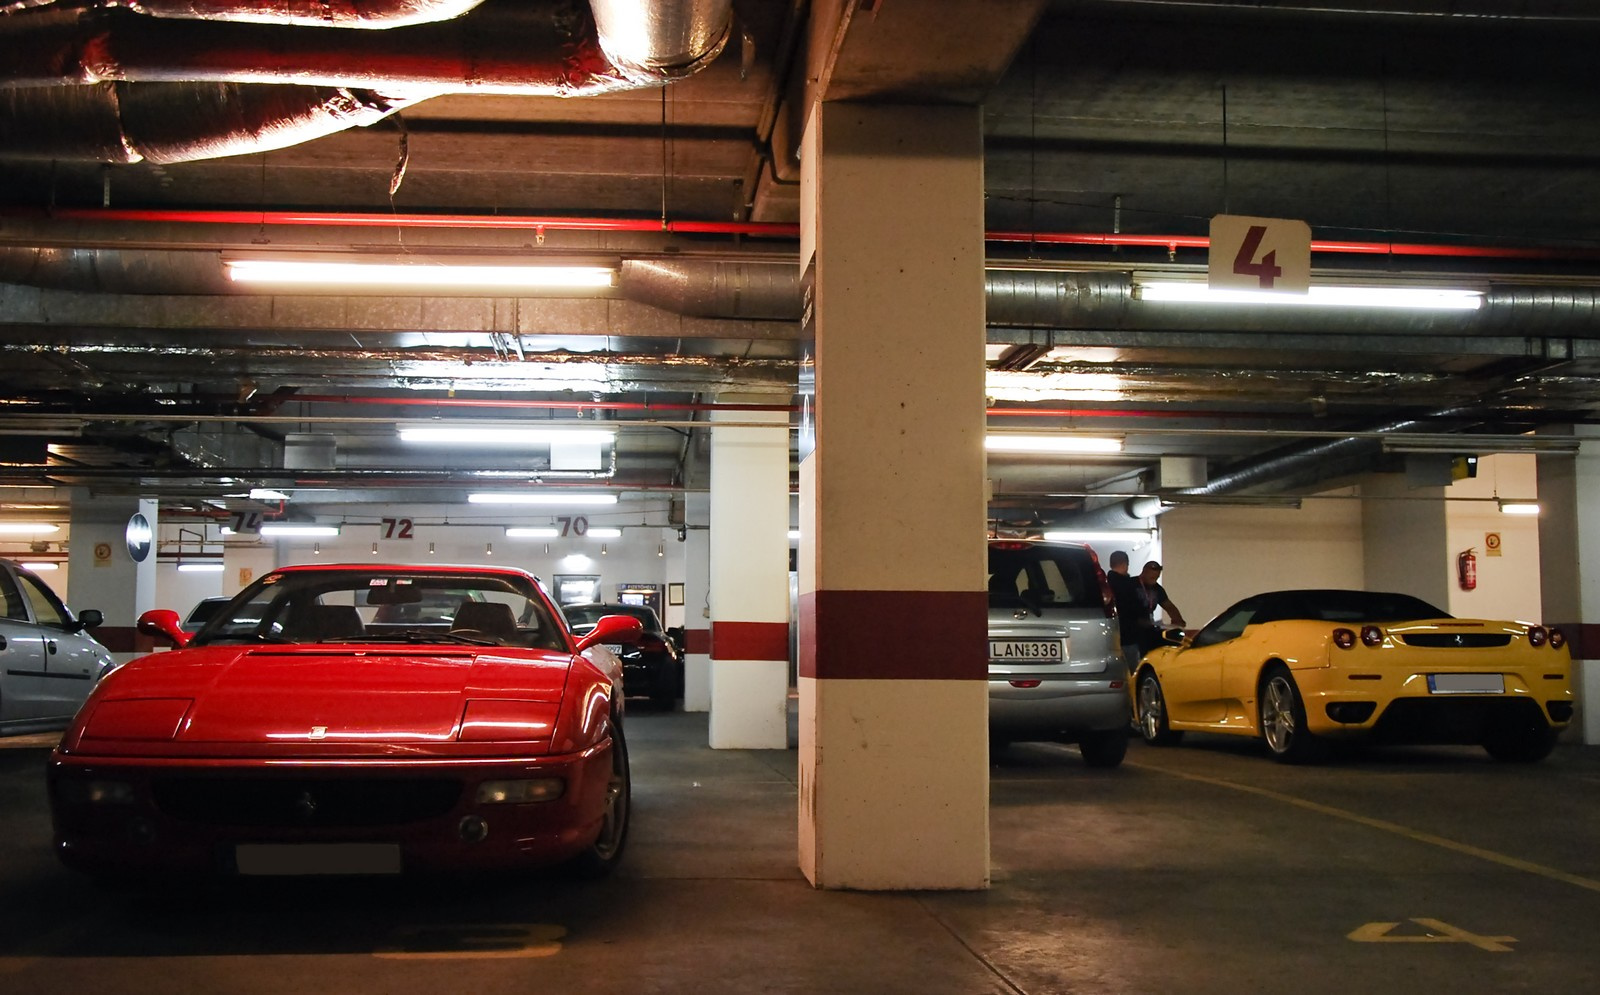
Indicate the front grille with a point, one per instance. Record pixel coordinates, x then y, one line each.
1457 640
323 802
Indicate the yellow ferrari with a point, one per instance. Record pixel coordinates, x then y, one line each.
1299 669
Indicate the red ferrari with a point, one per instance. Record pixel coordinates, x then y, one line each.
354 719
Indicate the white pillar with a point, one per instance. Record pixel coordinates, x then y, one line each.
894 760
697 603
1569 562
105 574
749 558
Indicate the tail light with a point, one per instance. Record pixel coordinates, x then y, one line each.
1558 638
1371 635
1344 638
1537 635
1107 600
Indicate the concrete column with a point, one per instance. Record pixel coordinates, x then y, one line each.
894 769
104 573
749 558
697 603
1569 562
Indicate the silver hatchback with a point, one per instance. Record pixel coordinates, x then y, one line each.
1056 670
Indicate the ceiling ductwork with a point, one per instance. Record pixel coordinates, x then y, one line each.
171 90
312 13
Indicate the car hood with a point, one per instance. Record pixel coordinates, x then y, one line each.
330 695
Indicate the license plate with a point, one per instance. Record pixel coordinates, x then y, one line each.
317 858
1467 683
1048 650
613 648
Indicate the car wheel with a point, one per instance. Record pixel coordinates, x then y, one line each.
1521 744
603 854
1283 720
1104 749
1153 712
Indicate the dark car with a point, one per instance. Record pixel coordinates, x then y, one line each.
653 668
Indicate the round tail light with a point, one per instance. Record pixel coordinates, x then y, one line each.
1558 638
1344 638
1371 635
1537 636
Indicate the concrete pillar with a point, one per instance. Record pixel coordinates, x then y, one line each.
749 558
1569 562
105 574
1404 536
894 770
697 603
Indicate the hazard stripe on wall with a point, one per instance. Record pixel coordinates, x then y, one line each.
750 641
894 635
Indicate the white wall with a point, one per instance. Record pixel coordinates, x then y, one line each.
1508 584
1213 556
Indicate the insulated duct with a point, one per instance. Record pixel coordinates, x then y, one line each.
709 289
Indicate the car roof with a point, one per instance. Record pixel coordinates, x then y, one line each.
440 569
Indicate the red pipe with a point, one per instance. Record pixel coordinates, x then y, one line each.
752 229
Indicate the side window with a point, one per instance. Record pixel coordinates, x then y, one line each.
11 599
1228 625
47 608
1055 583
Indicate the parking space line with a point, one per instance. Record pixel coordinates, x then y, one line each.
1415 835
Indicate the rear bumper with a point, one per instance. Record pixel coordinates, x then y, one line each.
1057 709
144 835
1398 708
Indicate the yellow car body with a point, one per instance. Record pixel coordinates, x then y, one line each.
1359 669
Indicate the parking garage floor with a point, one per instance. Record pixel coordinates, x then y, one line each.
1201 868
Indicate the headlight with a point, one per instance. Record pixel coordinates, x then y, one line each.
538 789
138 718
97 792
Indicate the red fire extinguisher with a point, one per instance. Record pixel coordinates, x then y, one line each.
1467 570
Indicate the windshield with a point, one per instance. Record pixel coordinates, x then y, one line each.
387 605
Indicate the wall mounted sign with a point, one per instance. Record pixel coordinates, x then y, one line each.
140 537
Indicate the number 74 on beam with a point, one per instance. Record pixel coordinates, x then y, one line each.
1269 254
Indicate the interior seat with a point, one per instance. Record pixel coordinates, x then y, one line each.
331 622
488 617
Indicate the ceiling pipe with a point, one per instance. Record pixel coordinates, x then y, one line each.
651 38
311 13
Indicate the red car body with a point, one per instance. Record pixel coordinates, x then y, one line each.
416 747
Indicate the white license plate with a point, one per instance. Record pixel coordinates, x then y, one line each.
1044 650
1467 683
317 858
613 648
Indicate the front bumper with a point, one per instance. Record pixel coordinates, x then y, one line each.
191 817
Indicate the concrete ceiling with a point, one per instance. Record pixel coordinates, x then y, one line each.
1461 134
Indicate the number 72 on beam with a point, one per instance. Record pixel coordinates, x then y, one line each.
1272 254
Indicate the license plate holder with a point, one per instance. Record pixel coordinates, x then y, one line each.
1466 684
1027 650
294 859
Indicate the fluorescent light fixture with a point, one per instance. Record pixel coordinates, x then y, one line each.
267 494
794 534
532 532
1519 507
27 528
1426 298
1136 537
604 532
285 529
376 274
500 436
539 497
38 566
1022 443
576 560
200 568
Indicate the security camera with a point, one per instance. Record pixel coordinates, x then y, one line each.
683 533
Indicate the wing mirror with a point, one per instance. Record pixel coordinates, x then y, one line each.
163 623
612 629
1174 637
87 619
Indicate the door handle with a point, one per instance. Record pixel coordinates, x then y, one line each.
50 645
2 642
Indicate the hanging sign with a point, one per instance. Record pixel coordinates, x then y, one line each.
1272 254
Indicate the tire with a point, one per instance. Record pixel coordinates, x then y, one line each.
1153 712
602 855
1105 748
1521 744
1282 717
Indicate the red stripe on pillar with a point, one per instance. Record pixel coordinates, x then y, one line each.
697 641
750 641
895 635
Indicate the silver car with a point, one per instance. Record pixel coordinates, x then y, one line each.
1056 670
48 662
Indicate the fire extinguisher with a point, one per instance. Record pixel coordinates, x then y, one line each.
1467 570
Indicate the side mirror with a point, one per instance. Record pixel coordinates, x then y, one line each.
88 619
163 623
612 629
1174 637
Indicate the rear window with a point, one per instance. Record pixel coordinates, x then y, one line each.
1036 575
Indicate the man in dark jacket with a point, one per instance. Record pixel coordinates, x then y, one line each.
1133 616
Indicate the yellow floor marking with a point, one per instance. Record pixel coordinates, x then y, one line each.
467 941
1442 932
1504 860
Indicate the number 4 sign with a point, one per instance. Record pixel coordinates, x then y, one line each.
1259 254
